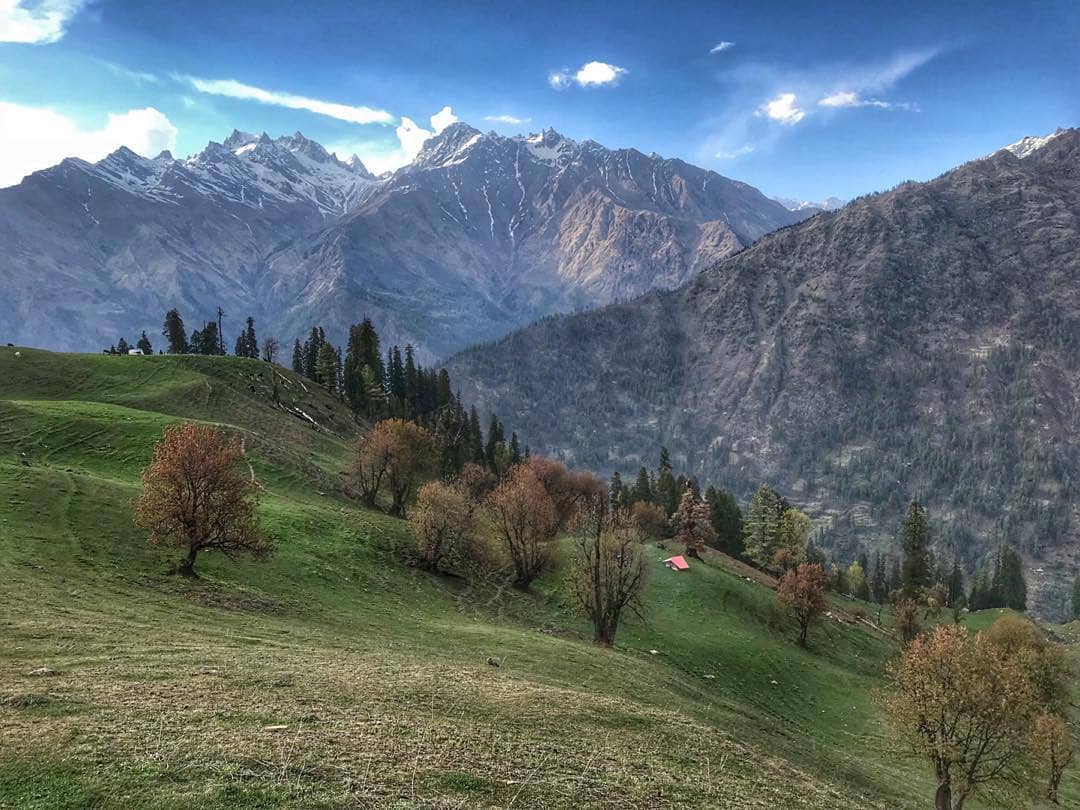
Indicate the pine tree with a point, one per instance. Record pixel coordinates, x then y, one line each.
641 492
312 346
412 381
879 584
173 331
496 437
617 492
247 345
122 346
144 344
915 543
668 491
326 368
896 577
954 587
1076 597
1009 584
761 526
476 452
726 519
298 357
515 449
206 341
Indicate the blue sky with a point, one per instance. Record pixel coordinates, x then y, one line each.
803 100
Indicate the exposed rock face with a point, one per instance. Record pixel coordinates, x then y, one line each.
923 342
481 234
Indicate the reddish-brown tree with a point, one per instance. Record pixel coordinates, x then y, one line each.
693 524
568 489
526 523
649 519
397 453
802 591
197 495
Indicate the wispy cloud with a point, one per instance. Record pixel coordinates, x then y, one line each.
36 23
721 46
847 98
33 138
591 74
506 119
127 73
767 101
733 154
783 109
234 89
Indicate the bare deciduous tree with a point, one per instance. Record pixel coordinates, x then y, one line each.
196 496
962 703
525 521
609 568
270 347
396 453
441 521
1054 750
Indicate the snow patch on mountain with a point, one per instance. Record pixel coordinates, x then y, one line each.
1032 143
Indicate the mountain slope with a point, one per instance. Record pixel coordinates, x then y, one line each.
334 674
921 342
481 234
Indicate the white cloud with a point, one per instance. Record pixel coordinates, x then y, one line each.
38 22
506 119
235 89
33 138
722 46
411 136
379 157
442 119
848 98
735 153
591 74
783 109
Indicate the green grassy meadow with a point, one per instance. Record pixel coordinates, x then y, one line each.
335 675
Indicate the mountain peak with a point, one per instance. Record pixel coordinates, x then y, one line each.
450 146
238 139
1031 144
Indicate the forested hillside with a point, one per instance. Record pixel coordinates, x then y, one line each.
921 342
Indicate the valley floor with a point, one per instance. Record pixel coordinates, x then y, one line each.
335 675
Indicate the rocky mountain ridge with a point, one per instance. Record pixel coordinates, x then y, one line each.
479 235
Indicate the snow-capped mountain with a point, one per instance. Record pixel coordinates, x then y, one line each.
1025 147
251 170
809 207
479 235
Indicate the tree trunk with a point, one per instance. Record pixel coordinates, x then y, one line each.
802 634
187 566
943 797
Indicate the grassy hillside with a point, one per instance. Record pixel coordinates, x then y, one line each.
335 675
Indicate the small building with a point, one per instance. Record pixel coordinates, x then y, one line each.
677 563
134 351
